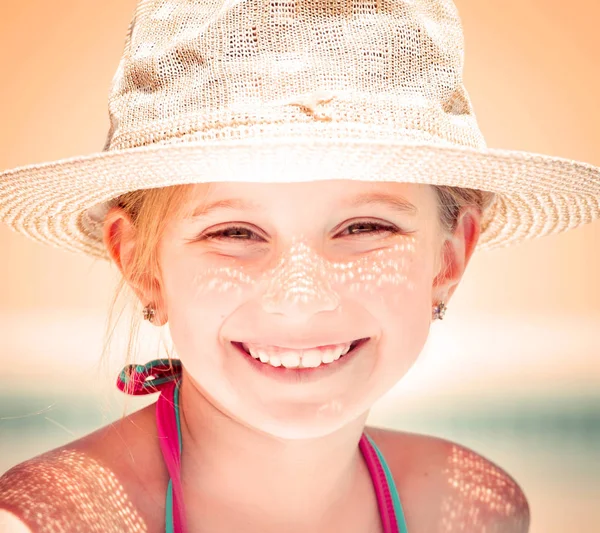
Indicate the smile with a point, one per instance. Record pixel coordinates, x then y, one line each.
290 358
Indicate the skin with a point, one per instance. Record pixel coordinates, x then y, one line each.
285 455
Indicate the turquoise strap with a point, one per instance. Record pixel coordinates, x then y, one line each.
400 520
176 402
169 509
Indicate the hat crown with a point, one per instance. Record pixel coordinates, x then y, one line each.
192 70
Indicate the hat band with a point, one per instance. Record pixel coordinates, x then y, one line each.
384 118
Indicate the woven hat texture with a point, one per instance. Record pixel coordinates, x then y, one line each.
288 91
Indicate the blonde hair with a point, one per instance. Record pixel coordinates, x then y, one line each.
151 209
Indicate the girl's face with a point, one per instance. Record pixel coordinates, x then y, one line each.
301 265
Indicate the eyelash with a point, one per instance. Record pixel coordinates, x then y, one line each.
218 235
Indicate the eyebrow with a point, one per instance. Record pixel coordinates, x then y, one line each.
231 203
395 203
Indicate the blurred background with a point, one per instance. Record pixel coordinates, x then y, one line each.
513 371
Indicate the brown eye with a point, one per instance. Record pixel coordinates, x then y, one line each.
238 233
379 228
241 233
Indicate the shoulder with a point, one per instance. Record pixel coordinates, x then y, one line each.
446 486
98 483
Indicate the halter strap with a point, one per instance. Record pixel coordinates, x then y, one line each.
138 380
169 434
164 376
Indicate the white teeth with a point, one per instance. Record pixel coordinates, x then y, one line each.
312 358
274 360
328 357
298 358
288 359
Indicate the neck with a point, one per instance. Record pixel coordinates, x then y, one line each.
237 475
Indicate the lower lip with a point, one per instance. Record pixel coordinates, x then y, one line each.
302 375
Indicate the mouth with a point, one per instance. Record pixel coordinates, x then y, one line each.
301 359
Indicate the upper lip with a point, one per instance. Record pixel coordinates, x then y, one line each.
296 346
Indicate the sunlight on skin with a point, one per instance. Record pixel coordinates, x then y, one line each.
479 492
66 490
381 269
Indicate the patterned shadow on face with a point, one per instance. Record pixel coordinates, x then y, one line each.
302 276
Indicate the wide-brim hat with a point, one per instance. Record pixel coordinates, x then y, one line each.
291 92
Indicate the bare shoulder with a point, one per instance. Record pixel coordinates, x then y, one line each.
444 486
106 481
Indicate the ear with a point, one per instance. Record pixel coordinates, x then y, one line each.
119 237
456 253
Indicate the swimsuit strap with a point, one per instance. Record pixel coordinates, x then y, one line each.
164 376
152 377
169 435
388 499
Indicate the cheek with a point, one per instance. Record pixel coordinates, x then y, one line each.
198 300
395 288
395 282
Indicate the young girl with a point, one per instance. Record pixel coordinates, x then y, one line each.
296 189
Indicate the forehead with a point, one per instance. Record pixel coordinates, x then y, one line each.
409 198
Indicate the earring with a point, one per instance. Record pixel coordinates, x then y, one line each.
439 311
149 313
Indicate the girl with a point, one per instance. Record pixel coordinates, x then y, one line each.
296 189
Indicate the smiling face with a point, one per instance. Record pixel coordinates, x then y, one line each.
302 265
279 268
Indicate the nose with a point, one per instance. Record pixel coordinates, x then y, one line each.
299 286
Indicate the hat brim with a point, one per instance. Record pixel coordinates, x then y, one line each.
61 203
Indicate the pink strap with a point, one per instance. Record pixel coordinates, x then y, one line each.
169 443
382 489
164 375
168 436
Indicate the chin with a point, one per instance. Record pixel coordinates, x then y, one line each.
304 421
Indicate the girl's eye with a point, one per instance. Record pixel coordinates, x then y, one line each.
380 228
221 234
241 233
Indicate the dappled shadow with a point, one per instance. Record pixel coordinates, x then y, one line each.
67 491
480 497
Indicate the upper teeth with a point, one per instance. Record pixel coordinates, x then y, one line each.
297 358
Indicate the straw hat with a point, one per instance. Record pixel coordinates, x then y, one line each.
295 91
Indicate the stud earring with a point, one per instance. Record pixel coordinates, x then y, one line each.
439 311
149 313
